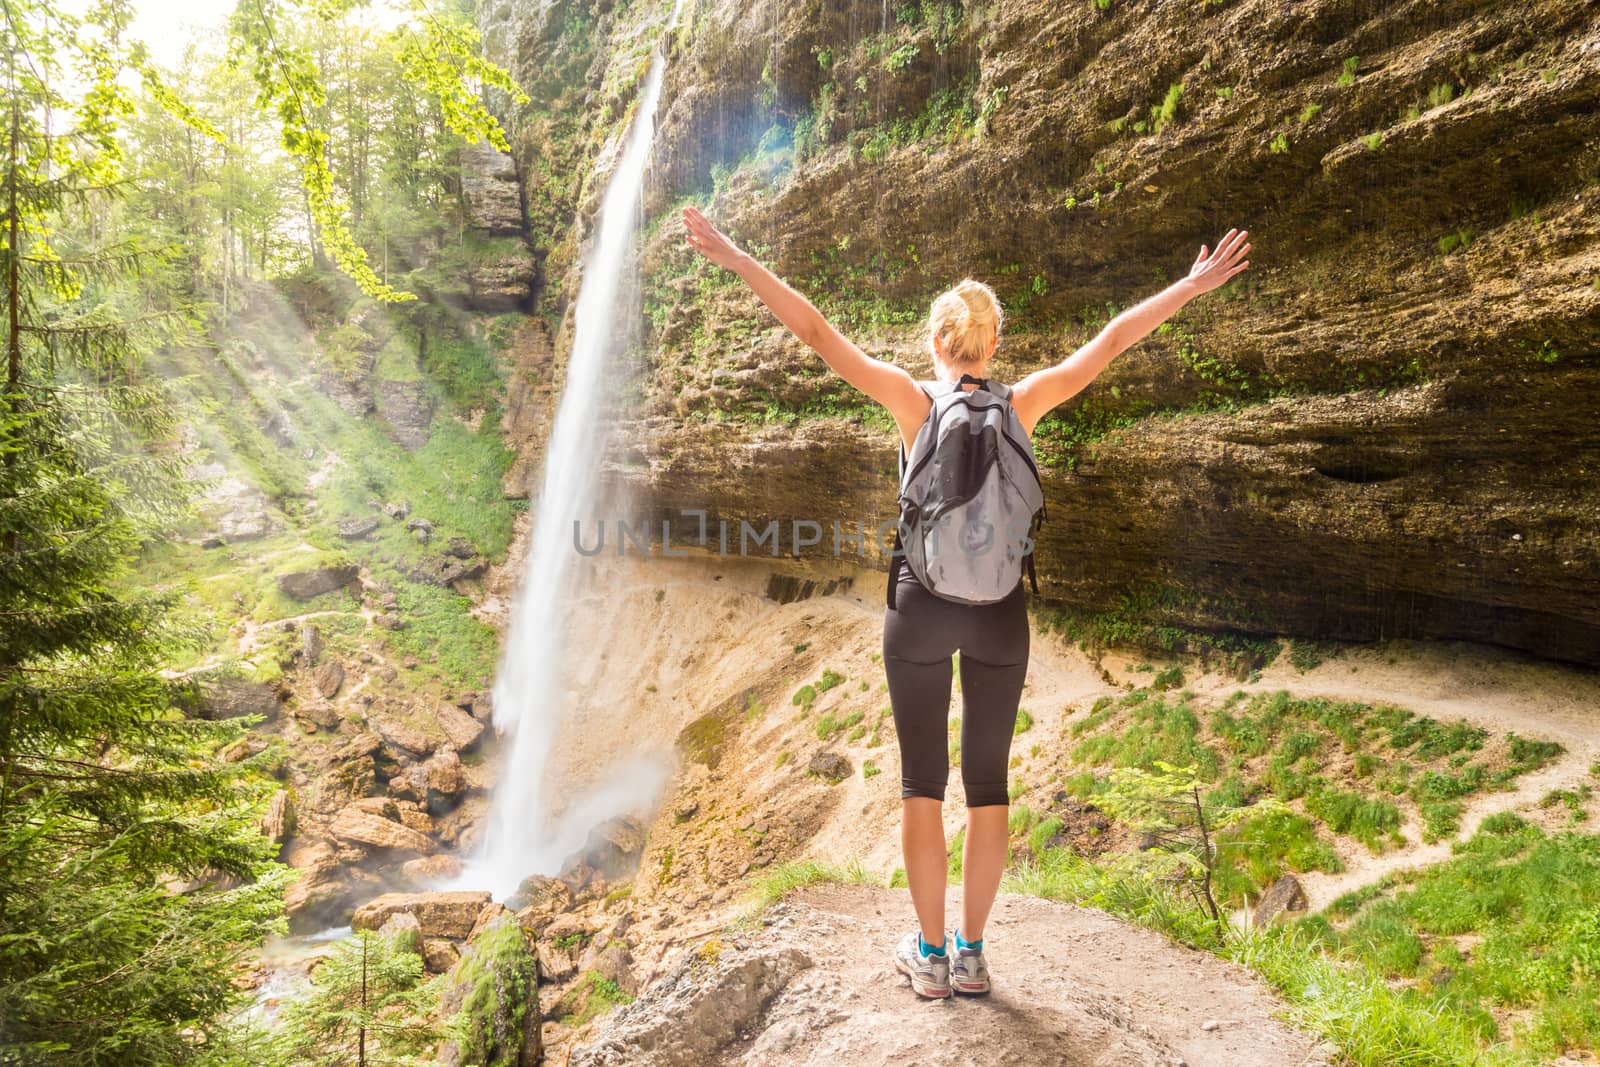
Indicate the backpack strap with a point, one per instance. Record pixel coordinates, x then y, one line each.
894 565
988 385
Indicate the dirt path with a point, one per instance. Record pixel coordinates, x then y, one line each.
1072 988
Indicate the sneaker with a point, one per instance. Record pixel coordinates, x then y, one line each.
930 975
968 972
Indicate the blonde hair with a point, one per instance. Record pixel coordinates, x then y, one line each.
968 317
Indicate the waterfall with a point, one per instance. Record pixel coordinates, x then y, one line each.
521 837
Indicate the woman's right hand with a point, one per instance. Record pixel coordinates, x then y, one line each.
708 240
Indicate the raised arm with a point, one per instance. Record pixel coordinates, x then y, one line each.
1035 395
884 382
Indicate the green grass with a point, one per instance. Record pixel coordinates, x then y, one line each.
1530 899
1350 767
770 887
591 995
829 725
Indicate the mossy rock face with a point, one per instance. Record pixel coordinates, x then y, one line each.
1265 443
495 993
701 741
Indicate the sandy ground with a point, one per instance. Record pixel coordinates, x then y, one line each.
1071 987
657 643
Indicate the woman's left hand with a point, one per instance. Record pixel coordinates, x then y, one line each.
708 240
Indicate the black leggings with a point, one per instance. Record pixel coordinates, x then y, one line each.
920 634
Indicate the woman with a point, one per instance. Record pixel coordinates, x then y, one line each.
923 631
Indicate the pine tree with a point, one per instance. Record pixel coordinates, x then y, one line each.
133 875
367 1005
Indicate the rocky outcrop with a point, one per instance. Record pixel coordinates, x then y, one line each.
361 826
489 191
233 698
501 281
778 991
305 584
1331 448
496 982
445 914
1284 899
406 407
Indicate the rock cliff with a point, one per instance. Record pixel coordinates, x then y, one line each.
1384 429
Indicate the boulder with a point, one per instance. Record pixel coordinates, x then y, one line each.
367 828
327 678
402 739
612 850
303 585
442 777
439 955
357 529
427 870
830 765
229 699
462 729
398 509
310 643
277 822
1283 898
501 1029
403 929
317 714
449 914
542 894
445 571
616 963
488 914
555 964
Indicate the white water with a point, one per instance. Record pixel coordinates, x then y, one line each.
523 837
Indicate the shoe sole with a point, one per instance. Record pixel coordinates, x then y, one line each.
972 989
921 988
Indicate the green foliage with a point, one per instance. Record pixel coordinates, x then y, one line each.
1530 900
368 996
803 697
870 769
590 996
1451 241
829 725
1280 143
442 58
1347 75
772 884
498 979
108 793
1180 823
1545 353
1023 724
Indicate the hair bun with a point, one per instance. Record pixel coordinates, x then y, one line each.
968 317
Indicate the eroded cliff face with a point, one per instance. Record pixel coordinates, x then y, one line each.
1384 428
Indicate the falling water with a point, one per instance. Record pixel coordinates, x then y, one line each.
522 837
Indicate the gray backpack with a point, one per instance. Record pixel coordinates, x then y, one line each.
970 496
